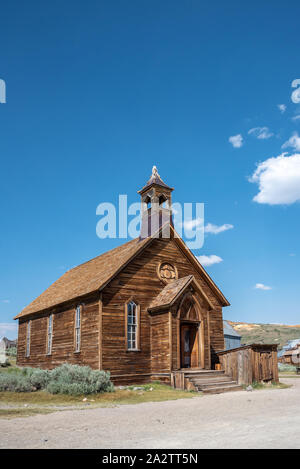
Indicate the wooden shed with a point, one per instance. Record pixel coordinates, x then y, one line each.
249 363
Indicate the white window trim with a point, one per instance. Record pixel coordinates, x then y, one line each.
132 328
50 334
78 319
28 339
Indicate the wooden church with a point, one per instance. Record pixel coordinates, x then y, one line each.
142 311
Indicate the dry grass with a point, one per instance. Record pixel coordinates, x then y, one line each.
10 413
272 385
9 369
12 404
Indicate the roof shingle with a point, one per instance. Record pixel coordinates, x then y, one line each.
85 278
170 292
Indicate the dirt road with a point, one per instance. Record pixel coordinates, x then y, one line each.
268 418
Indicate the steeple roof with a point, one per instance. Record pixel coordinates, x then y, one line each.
155 179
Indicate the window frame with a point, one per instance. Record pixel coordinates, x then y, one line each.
28 339
77 329
137 325
49 334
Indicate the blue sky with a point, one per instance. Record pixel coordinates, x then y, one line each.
100 91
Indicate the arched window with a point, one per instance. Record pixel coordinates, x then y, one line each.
148 202
28 336
132 325
162 201
78 328
49 334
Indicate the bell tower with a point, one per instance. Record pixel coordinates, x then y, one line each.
156 210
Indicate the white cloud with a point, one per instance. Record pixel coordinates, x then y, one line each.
278 179
5 301
261 286
236 140
261 133
293 141
211 228
190 224
281 107
295 96
209 260
8 328
296 118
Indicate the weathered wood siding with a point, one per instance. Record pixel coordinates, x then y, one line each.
139 280
175 343
160 343
256 362
63 345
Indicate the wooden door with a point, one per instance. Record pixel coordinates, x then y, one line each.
189 346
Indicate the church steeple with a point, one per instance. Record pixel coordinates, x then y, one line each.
156 200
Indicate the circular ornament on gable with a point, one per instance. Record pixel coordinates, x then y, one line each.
167 272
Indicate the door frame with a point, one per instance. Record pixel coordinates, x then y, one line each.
195 325
200 322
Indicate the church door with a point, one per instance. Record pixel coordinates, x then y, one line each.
189 346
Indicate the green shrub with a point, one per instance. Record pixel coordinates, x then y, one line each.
65 379
15 382
38 378
257 385
75 380
11 352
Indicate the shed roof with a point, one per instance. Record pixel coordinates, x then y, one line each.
295 350
292 343
229 330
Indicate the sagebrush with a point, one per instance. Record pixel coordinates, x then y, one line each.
286 367
75 379
65 379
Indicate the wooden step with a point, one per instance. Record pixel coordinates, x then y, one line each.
204 373
221 389
213 379
215 384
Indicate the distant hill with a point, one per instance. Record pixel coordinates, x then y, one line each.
266 333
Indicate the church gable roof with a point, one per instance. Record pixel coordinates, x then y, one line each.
85 278
94 274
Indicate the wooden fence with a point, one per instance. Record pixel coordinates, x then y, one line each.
249 363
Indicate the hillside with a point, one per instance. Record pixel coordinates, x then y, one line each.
266 333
